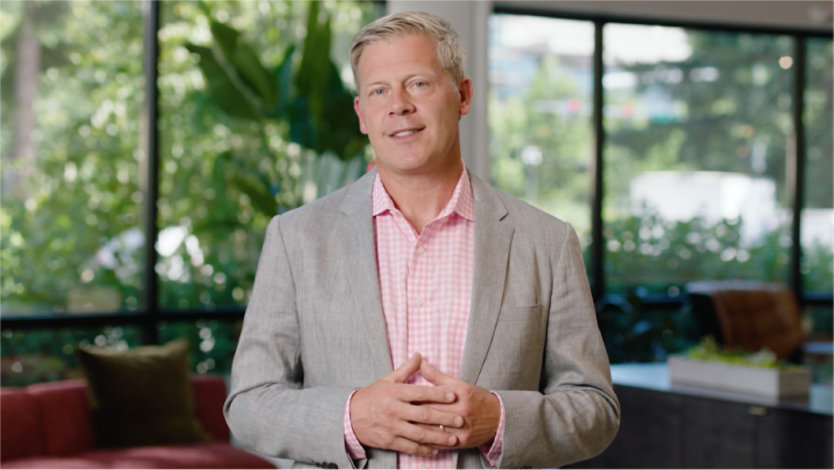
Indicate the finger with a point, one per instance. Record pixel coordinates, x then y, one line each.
401 444
405 370
451 443
434 417
434 375
428 435
425 394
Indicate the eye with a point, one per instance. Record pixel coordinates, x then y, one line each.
419 86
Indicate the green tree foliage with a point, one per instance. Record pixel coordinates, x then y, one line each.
71 236
726 107
46 355
655 255
733 96
305 94
542 119
819 121
78 192
256 132
736 97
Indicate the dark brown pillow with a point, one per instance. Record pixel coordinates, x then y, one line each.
142 396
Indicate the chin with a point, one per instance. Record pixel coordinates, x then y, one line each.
405 164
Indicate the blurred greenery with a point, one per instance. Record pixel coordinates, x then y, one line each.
709 350
246 130
634 331
212 342
47 355
227 168
700 113
70 197
659 256
714 123
560 183
717 124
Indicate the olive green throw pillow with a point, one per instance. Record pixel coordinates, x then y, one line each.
142 396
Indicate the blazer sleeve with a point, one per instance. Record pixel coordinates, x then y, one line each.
268 409
575 414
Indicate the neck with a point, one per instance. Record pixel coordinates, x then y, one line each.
420 198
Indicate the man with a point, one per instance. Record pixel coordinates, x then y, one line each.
419 317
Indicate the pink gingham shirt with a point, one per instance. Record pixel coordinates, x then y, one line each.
426 286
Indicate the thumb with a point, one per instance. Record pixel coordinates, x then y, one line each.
405 370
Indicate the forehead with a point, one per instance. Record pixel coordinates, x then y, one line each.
398 54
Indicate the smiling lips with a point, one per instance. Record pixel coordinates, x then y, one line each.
405 132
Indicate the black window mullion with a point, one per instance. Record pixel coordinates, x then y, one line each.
150 170
597 237
796 180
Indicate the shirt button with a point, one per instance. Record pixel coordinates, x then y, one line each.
421 249
418 302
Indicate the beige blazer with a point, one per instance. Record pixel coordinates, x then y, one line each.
314 331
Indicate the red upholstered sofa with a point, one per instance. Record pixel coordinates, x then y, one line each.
48 425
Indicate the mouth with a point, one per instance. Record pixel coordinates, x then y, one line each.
405 132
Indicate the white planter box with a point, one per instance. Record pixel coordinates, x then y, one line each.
761 381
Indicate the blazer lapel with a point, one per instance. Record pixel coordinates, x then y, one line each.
364 279
492 250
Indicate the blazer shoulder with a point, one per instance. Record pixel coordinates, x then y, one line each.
517 212
346 200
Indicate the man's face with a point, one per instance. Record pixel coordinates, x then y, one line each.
409 106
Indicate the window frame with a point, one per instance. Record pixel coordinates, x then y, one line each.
150 314
795 182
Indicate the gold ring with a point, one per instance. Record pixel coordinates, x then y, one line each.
442 428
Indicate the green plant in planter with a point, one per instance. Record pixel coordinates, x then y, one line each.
300 100
709 350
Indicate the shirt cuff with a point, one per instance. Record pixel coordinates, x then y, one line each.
492 451
352 445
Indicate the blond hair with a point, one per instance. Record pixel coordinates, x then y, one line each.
450 52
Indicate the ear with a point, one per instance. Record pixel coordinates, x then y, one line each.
465 91
358 111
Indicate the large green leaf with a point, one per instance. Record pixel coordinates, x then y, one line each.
337 124
229 168
321 117
245 64
302 126
283 79
315 71
307 94
221 88
315 54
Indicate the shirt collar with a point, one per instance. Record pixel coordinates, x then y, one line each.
461 202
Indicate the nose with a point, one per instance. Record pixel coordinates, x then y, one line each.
400 103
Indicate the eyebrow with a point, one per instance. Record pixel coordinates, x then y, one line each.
405 79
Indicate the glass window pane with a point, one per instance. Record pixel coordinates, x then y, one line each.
71 198
698 139
224 172
46 355
212 342
540 107
817 229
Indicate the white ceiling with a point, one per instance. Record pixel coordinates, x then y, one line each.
793 14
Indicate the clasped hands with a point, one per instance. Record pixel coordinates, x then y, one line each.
422 419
